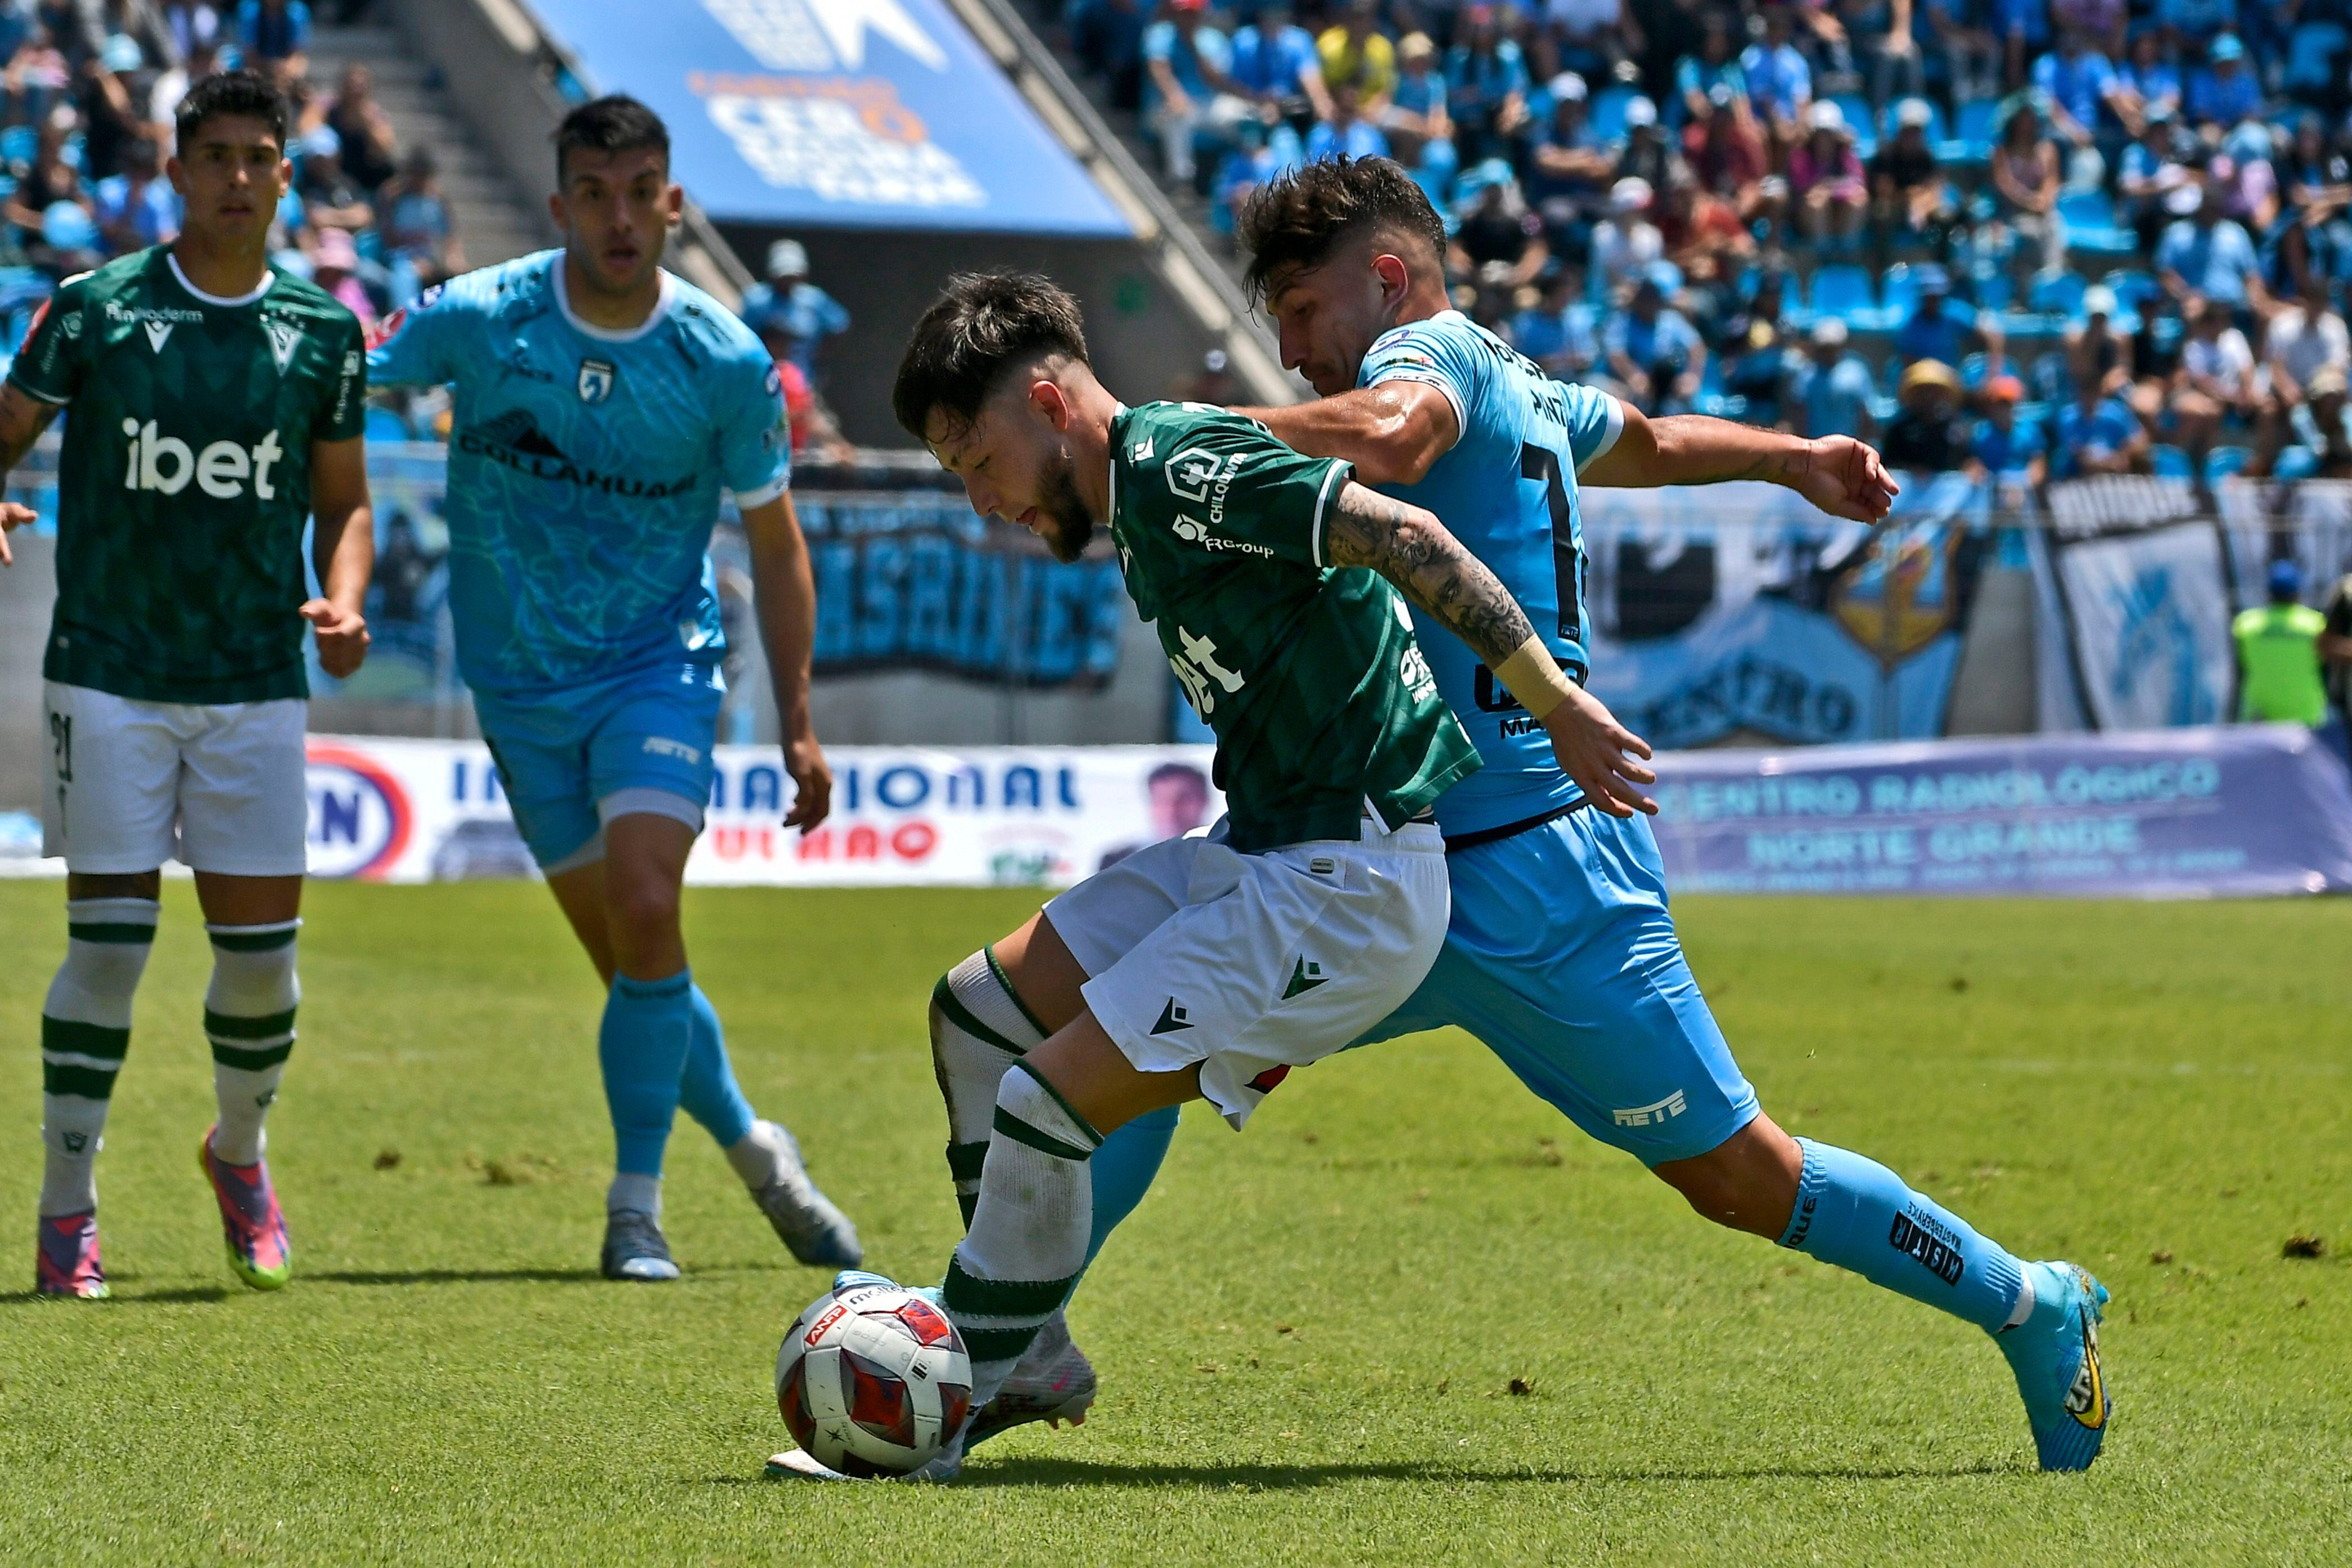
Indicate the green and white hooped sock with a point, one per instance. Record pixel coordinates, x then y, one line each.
1027 1244
979 1028
85 1030
249 1019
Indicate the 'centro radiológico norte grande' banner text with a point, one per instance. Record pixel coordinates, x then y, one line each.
2248 810
838 114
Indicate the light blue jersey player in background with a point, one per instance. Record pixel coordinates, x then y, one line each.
601 407
1561 955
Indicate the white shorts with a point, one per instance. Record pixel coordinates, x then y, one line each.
1253 964
127 785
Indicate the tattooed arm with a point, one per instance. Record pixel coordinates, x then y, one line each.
22 420
1836 473
1430 567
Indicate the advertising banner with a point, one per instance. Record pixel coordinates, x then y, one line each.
429 810
837 114
2255 809
1755 614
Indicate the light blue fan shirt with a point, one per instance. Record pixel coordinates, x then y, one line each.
586 467
1507 491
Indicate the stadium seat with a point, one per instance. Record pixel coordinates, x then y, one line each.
1842 290
2058 294
2171 463
18 143
1898 294
2223 461
1859 118
2133 286
2091 227
1607 118
1993 289
1975 127
2296 463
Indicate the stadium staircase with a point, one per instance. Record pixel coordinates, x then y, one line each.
497 219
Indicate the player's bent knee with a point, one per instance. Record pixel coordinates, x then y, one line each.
1748 1182
1084 1066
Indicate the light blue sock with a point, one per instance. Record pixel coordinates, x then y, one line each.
1857 1214
1123 1169
708 1091
643 1049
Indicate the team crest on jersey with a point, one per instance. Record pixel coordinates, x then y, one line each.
285 337
596 378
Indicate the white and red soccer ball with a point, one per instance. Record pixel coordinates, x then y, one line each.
873 1380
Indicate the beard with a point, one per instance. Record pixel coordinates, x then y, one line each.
1072 527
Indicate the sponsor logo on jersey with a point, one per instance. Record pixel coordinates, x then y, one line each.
663 746
359 816
158 334
515 440
1197 667
117 311
1801 1224
1173 1017
167 465
1650 1115
1923 1239
596 378
1192 531
285 337
1200 476
1305 975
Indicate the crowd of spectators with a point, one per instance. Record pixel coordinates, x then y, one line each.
2031 238
88 91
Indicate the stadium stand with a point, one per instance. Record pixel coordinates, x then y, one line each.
1766 166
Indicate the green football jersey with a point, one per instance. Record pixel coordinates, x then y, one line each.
183 484
1309 675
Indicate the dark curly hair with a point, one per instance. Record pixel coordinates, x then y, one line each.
1294 220
242 94
982 325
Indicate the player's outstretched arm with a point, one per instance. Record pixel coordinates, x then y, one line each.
342 547
22 417
1837 473
1393 433
1413 550
783 593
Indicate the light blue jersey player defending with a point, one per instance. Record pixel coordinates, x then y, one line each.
1561 955
601 407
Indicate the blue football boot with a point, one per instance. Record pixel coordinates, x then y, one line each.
2055 1355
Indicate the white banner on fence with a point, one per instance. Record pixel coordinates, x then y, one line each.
424 811
2151 624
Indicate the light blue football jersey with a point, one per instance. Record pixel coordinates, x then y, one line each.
585 469
1507 491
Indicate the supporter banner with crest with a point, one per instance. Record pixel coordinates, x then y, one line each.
1752 613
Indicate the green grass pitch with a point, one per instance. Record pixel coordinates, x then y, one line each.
1311 1335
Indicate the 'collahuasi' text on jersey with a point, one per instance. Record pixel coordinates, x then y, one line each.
1506 489
585 466
184 481
1319 697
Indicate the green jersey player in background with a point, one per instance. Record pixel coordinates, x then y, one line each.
1203 967
215 410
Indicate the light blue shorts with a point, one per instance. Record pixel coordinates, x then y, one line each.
638 742
1562 958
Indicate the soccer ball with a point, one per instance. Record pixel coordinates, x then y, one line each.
873 1380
